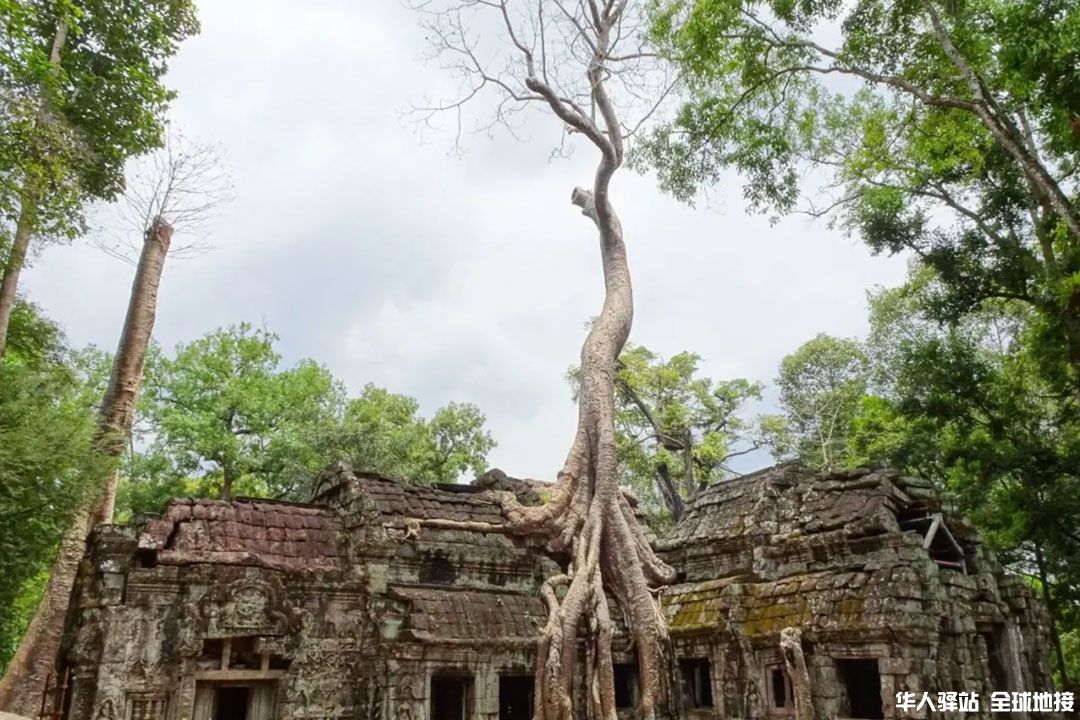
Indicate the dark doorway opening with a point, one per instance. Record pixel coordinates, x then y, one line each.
449 697
231 703
995 657
860 689
697 683
625 685
781 696
515 697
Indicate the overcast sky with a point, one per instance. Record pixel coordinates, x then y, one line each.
380 254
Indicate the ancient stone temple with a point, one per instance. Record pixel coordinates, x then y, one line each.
801 595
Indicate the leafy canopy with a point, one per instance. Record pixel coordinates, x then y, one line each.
821 385
676 430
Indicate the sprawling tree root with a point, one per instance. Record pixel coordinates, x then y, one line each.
589 517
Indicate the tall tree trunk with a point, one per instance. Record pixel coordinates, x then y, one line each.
588 515
227 477
1051 609
31 197
24 682
118 408
15 261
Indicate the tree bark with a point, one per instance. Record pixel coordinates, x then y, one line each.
22 686
16 260
228 475
118 407
589 516
669 491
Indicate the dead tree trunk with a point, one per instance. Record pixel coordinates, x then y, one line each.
118 408
22 685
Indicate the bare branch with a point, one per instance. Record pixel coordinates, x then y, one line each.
182 185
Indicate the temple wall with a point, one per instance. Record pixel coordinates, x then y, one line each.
345 609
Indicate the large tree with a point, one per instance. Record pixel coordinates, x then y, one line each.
224 406
175 194
83 92
821 385
47 398
383 432
27 674
947 129
578 61
965 404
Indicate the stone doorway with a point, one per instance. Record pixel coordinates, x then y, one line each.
515 697
235 701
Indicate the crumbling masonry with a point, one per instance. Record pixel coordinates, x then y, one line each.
801 595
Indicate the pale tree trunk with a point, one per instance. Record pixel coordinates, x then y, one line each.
588 516
118 408
28 211
24 682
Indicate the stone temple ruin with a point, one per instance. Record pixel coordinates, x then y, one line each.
801 596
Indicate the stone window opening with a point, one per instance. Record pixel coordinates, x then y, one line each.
696 683
515 697
239 654
938 541
147 705
626 685
781 693
451 697
860 688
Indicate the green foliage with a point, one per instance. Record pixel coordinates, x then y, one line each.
69 128
384 432
223 412
964 124
967 405
821 386
46 422
676 431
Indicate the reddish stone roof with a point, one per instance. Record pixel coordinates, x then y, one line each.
285 536
455 615
398 500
